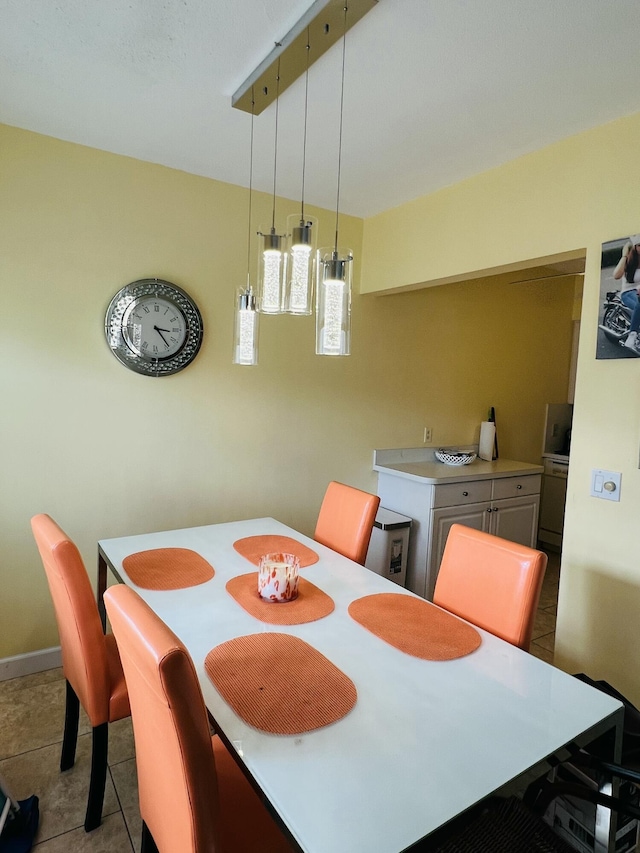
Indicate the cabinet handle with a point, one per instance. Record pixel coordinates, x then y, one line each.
489 509
496 508
519 486
465 494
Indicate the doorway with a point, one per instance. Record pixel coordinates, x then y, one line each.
555 458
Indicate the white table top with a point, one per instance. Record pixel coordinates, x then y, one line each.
426 739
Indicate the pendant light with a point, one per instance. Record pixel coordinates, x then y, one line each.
335 271
301 232
245 343
272 259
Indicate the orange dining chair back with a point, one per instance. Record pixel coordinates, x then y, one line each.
345 521
491 582
90 660
193 796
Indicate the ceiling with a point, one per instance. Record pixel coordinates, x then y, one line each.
435 90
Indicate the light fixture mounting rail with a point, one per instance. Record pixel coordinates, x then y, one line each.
321 26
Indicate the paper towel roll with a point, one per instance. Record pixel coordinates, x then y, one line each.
487 439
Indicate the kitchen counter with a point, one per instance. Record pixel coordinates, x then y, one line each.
500 497
416 463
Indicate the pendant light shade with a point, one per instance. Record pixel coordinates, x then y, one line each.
245 343
245 333
301 231
300 266
335 269
272 257
271 272
333 302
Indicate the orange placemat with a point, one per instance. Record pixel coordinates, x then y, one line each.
167 568
253 547
280 684
415 626
311 604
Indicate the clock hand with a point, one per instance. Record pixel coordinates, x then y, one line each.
160 331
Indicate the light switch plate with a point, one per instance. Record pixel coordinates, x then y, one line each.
605 484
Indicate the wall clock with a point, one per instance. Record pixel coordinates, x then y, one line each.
153 327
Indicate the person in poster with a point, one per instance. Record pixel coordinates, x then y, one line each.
628 269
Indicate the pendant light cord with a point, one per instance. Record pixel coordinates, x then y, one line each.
344 44
250 194
275 149
304 135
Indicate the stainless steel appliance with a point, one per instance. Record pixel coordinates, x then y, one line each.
557 430
389 546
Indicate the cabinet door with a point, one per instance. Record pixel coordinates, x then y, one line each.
516 519
472 515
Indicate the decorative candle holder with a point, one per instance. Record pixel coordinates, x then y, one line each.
278 577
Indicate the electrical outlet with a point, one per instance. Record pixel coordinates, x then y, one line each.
427 435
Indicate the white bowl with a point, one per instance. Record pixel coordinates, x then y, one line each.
454 458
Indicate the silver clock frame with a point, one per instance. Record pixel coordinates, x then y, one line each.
138 362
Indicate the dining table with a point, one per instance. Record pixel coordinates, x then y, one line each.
366 717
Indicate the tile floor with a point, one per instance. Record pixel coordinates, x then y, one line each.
544 629
31 719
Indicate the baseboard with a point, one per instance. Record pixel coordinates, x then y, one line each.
30 662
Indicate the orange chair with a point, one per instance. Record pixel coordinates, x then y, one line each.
345 521
193 796
491 582
90 659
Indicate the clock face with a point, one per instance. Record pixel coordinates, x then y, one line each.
153 327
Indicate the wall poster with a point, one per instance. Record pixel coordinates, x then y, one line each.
619 316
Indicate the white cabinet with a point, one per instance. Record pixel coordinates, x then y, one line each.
506 506
513 518
516 519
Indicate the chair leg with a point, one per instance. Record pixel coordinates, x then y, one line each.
70 737
148 845
100 746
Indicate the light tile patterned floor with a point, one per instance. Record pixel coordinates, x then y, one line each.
544 629
31 720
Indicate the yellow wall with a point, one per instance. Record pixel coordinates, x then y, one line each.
107 452
576 193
